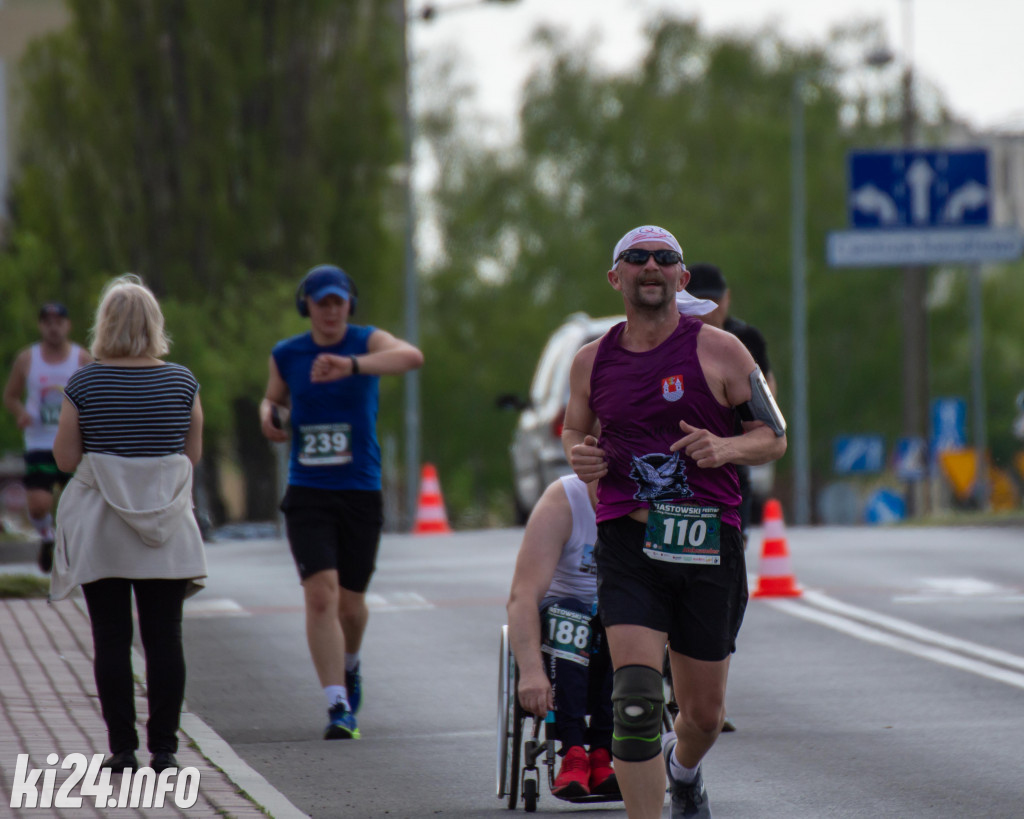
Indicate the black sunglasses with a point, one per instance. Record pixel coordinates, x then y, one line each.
637 256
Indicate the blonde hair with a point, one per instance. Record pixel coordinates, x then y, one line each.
129 323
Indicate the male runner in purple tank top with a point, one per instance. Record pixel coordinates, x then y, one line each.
651 417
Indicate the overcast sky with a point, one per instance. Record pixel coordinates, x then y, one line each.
969 49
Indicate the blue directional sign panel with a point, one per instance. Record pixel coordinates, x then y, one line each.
915 188
852 454
885 506
910 459
949 424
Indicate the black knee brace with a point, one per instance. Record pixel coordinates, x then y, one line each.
637 701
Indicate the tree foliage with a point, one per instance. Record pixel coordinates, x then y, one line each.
697 139
218 150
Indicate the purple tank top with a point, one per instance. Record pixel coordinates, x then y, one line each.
639 399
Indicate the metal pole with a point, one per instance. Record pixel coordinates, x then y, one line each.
981 488
411 286
800 428
915 289
3 143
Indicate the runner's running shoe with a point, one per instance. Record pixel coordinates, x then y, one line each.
689 801
354 687
574 775
342 724
602 777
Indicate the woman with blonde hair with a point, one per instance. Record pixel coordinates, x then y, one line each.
131 431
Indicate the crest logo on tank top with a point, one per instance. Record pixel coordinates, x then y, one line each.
672 388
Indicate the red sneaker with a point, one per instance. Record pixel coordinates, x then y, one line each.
602 777
573 775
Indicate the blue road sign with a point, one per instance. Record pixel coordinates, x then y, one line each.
919 189
885 506
853 454
910 458
949 424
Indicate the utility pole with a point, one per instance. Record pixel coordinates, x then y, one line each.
915 288
800 428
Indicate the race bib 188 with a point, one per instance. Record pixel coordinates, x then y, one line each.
566 634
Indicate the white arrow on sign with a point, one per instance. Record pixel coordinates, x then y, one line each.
969 196
919 177
872 199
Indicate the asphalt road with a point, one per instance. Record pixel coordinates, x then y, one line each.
893 688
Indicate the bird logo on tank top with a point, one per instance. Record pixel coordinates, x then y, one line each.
672 388
658 476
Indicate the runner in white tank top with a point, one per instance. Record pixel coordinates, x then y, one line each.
34 395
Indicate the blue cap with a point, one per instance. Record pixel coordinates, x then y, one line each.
327 280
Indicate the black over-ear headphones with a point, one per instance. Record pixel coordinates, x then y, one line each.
330 274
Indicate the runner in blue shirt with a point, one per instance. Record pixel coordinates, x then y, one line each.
325 382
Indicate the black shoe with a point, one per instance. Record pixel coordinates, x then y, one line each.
121 761
728 726
46 556
162 760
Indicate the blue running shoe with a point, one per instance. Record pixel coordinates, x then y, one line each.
354 686
342 724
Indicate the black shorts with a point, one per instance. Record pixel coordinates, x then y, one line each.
41 471
334 529
699 607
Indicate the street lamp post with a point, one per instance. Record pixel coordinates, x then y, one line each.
799 431
410 276
411 291
800 428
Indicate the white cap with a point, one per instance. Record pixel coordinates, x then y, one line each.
692 306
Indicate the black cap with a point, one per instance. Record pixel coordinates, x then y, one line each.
53 308
706 282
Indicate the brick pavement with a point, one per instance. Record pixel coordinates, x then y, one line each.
48 705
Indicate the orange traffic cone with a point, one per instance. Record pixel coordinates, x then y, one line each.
431 518
775 577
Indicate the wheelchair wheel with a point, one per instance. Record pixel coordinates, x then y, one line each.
506 699
530 795
671 709
515 765
510 724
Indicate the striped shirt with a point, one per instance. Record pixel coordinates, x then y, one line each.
134 412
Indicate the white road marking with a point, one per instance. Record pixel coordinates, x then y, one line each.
216 607
960 590
920 642
397 601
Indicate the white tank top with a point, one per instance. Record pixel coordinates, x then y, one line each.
576 572
44 395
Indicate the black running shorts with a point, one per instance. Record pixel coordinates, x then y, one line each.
41 471
699 607
334 529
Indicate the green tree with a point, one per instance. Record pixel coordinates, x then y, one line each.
218 150
696 138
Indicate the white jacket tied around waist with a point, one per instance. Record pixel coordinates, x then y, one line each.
127 517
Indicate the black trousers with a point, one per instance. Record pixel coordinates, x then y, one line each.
159 604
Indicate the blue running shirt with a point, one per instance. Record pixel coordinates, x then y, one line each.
334 424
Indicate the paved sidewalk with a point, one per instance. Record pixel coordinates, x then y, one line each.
48 705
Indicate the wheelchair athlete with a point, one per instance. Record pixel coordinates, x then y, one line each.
563 665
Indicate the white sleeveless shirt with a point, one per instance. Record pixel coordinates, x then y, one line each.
576 572
44 396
